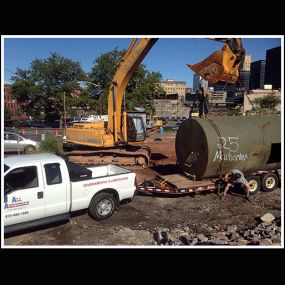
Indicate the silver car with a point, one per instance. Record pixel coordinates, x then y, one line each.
14 142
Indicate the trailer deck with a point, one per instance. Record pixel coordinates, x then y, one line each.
176 184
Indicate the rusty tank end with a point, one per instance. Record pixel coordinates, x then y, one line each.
209 147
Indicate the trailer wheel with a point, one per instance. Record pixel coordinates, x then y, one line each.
254 184
102 206
269 182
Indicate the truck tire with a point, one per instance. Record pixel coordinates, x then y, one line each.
269 182
254 184
102 206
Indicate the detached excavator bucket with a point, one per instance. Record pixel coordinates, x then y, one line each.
222 66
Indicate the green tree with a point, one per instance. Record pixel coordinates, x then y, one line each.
18 112
72 112
7 114
267 103
41 87
141 88
104 68
145 91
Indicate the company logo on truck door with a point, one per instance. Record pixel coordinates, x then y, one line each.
16 202
230 147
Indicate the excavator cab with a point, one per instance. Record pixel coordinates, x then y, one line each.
223 65
136 131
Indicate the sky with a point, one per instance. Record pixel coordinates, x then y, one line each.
169 56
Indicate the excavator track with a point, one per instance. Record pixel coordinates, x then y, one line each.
128 156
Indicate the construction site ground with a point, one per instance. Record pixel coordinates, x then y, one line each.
136 223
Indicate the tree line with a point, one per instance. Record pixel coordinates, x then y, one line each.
41 88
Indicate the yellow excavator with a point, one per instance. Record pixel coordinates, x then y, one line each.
116 141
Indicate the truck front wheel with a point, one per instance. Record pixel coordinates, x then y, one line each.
102 206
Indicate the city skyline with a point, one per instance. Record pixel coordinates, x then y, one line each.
168 56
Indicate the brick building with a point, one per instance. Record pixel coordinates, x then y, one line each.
11 104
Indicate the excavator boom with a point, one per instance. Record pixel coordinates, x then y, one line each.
127 66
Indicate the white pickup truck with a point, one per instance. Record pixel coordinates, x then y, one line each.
44 188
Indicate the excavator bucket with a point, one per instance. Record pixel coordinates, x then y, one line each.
222 66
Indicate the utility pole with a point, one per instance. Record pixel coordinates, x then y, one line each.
100 102
64 114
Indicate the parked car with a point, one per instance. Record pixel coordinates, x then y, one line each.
12 130
53 124
27 123
39 124
14 142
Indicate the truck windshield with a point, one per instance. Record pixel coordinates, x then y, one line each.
6 167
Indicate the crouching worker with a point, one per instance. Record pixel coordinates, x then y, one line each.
236 178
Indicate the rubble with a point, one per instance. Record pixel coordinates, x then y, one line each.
266 232
268 218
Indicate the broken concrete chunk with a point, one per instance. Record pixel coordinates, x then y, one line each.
202 238
231 229
268 218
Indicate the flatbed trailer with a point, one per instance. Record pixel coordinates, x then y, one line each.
178 184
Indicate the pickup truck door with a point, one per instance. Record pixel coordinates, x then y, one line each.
23 195
56 186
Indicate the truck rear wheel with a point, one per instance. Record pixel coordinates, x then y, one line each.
269 182
102 206
254 184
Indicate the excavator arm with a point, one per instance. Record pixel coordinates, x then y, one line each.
127 66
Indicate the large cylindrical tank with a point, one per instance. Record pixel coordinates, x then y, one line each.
209 147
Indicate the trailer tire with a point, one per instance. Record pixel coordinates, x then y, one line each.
254 184
269 182
102 206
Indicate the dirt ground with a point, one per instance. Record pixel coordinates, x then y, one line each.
135 223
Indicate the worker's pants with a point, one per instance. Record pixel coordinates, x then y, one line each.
203 106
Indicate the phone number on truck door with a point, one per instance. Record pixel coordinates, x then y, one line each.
16 214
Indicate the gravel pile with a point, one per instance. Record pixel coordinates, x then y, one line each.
267 231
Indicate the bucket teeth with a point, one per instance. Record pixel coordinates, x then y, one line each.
220 67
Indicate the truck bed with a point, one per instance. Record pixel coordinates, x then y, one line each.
79 173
